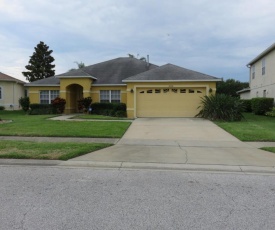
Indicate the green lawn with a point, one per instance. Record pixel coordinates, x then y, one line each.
269 149
252 128
51 151
38 125
99 117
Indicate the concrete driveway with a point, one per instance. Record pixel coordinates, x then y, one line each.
180 141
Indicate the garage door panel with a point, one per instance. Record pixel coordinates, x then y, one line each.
177 102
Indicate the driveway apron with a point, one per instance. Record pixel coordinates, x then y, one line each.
180 141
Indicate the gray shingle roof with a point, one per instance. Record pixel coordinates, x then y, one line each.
114 71
46 81
120 70
108 72
75 73
171 72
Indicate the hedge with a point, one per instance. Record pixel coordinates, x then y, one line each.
109 109
271 113
261 105
38 109
246 105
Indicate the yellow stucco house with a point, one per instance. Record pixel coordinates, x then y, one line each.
148 90
11 89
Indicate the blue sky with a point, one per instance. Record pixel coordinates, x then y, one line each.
210 36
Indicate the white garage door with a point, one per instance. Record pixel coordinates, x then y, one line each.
168 102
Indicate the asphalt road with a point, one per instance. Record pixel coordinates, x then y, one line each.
86 198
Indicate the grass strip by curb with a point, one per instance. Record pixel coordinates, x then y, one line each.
269 149
46 151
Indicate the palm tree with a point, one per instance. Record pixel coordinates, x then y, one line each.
133 56
80 65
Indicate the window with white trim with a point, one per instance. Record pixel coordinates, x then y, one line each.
104 95
253 71
46 96
112 96
0 92
263 66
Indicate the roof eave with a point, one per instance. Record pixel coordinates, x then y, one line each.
94 78
109 84
41 85
15 81
210 80
268 50
243 90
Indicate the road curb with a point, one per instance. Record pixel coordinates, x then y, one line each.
160 166
135 165
29 162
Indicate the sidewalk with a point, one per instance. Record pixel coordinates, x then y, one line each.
165 144
70 118
199 167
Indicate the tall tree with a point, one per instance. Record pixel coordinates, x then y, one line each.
40 64
230 87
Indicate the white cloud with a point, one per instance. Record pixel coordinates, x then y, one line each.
206 35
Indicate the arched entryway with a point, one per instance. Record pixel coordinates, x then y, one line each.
74 92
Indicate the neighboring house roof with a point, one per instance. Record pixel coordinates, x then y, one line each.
261 55
243 90
170 72
5 77
110 72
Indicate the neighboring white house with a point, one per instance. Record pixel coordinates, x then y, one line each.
262 75
11 89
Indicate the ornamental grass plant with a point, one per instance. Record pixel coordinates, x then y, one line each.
221 107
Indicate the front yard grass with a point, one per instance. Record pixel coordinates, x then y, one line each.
50 151
39 125
252 128
269 149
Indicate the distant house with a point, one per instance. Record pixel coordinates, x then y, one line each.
147 90
262 75
11 89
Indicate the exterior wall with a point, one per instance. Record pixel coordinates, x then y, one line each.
73 89
245 95
266 81
132 89
11 93
95 92
84 82
34 92
128 93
